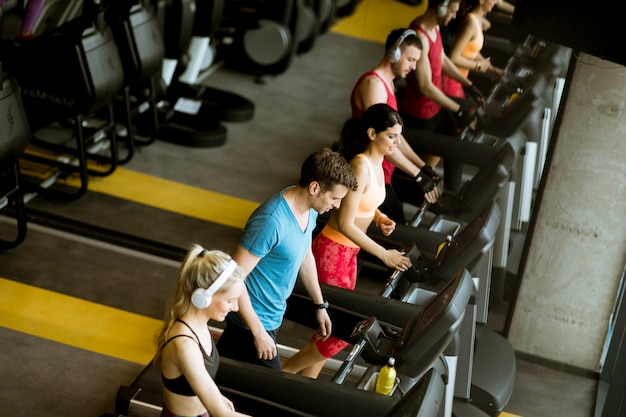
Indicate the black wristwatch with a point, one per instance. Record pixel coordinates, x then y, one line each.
323 305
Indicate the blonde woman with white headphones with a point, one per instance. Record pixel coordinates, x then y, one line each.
208 287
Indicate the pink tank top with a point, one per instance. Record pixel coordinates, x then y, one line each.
375 194
474 46
388 167
471 50
370 201
413 102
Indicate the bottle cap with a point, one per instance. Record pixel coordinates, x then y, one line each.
391 361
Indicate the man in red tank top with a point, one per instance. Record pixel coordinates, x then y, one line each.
423 104
403 51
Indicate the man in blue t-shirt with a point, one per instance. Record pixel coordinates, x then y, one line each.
275 249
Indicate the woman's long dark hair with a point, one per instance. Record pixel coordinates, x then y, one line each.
354 138
465 7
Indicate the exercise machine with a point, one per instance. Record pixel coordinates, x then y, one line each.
66 75
417 346
141 48
200 60
261 37
484 361
14 135
190 114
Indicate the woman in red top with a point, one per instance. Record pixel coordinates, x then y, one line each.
365 143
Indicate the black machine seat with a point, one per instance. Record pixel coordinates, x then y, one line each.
14 134
83 74
14 128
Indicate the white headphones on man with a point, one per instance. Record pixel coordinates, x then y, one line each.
442 9
394 53
201 298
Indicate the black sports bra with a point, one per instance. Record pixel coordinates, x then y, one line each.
180 385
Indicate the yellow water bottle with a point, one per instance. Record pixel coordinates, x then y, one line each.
443 244
387 378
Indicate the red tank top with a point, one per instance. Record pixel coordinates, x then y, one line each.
413 102
388 167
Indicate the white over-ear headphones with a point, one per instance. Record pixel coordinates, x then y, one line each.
443 8
201 298
394 53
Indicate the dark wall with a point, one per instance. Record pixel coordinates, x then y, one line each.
594 28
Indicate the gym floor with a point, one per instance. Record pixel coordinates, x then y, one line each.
77 313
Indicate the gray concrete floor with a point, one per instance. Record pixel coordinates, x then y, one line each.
296 113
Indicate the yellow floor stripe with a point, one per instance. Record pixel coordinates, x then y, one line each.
505 414
374 19
76 322
173 196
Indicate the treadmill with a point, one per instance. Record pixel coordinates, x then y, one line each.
486 368
417 346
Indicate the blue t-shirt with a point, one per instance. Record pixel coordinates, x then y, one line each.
273 234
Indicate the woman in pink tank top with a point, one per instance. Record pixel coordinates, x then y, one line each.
467 44
365 142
